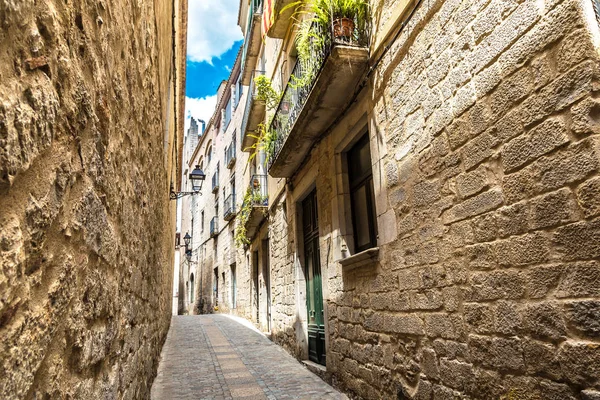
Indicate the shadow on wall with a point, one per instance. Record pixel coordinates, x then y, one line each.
287 339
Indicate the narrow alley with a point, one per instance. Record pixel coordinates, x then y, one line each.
221 357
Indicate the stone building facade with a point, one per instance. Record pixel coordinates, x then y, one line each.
482 281
91 122
208 281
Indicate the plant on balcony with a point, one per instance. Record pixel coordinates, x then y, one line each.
264 141
265 92
343 18
251 197
241 238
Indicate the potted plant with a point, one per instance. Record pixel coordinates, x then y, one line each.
344 16
265 91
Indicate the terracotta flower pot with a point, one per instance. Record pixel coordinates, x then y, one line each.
343 28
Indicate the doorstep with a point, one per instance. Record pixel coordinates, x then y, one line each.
317 369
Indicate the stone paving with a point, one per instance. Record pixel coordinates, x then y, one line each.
222 357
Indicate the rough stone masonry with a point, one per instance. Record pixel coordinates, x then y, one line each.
484 118
86 228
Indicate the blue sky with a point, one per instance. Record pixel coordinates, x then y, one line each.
203 78
214 39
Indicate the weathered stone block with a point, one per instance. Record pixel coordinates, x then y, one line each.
579 241
479 318
472 182
508 318
574 49
523 250
584 317
443 325
457 374
553 209
580 280
545 320
558 94
481 256
585 117
580 362
497 353
479 204
542 139
493 285
478 149
588 195
425 193
569 165
540 357
512 220
484 227
541 280
404 324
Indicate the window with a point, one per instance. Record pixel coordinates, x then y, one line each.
209 155
240 90
362 198
227 114
202 221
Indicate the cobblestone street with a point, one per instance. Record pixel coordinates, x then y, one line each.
219 357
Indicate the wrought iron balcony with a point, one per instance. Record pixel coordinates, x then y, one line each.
215 181
317 93
279 20
229 210
259 200
252 40
254 113
230 154
214 226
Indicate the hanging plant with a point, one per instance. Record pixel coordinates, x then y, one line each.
265 92
241 238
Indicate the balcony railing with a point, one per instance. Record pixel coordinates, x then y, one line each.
258 197
252 40
215 181
229 210
319 88
230 154
254 113
214 227
259 190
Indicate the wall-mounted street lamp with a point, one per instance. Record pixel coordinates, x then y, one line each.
186 239
196 177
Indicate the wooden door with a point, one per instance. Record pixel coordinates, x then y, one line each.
314 287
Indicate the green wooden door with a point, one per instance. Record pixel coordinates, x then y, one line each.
314 287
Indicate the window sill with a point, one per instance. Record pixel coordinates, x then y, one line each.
366 257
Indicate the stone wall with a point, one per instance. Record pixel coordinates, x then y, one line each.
483 119
86 227
488 112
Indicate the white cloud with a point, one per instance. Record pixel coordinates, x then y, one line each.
212 28
199 108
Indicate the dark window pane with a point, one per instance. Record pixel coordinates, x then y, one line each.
359 160
361 217
361 194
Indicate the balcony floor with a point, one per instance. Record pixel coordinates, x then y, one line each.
332 92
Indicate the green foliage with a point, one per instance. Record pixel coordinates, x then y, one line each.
264 141
241 238
315 17
265 91
251 197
